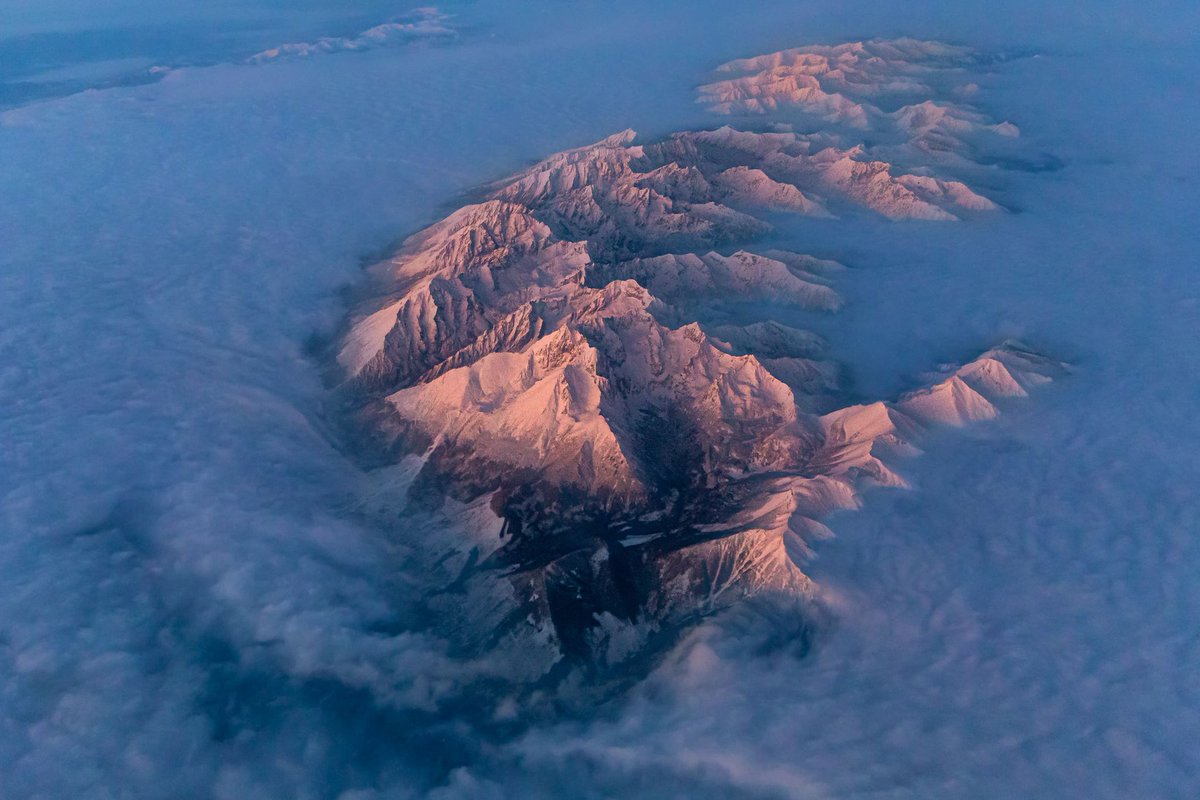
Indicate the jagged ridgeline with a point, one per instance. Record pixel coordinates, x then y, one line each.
600 432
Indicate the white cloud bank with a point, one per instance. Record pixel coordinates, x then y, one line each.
188 608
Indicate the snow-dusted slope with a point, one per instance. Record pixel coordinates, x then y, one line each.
595 399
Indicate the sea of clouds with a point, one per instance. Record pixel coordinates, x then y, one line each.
190 605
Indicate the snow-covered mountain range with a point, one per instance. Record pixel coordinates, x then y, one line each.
591 402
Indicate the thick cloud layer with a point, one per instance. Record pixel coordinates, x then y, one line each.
190 606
